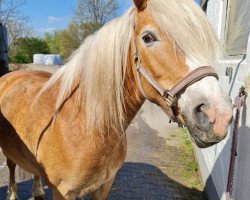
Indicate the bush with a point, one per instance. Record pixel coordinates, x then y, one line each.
25 48
20 58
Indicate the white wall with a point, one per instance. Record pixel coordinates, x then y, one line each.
214 161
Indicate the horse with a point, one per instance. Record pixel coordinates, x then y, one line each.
69 127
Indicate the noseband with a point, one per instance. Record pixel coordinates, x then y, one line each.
171 95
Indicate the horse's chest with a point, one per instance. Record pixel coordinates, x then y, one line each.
118 156
112 162
90 168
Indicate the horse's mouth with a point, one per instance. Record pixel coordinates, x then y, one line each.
200 137
201 144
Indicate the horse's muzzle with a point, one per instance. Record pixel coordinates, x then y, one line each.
208 122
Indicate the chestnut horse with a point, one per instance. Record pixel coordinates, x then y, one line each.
69 128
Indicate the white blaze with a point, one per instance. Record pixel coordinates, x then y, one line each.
207 88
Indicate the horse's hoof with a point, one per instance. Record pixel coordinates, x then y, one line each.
10 197
38 198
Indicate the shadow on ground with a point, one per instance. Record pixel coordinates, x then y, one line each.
133 181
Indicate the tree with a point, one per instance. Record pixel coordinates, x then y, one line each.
13 17
64 42
54 42
93 14
89 16
25 48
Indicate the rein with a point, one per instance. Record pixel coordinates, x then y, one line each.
171 95
238 104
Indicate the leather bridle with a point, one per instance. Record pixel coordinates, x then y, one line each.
171 95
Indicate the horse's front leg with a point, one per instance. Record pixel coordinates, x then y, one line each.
37 189
102 192
12 189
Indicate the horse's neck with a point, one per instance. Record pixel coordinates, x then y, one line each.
132 96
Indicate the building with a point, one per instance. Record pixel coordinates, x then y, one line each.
231 21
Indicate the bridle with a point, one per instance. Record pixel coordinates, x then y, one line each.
171 95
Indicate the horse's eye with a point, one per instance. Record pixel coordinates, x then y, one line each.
148 38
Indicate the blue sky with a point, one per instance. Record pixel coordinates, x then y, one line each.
49 15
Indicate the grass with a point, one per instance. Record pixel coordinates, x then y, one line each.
189 168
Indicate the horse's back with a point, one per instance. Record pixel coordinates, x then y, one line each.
21 79
18 90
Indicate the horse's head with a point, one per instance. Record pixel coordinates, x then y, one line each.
168 48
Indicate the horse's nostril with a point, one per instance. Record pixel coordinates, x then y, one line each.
200 108
200 117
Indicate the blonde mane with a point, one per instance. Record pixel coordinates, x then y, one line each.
187 25
100 62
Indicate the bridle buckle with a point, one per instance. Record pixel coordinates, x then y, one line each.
136 58
166 96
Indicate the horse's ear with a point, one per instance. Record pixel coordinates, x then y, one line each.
140 4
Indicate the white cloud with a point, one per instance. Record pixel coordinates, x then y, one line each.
46 30
52 19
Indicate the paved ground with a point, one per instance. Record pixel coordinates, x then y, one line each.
147 173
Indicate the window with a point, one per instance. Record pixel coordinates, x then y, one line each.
203 4
237 27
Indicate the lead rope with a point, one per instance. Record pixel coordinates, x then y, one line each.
238 103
